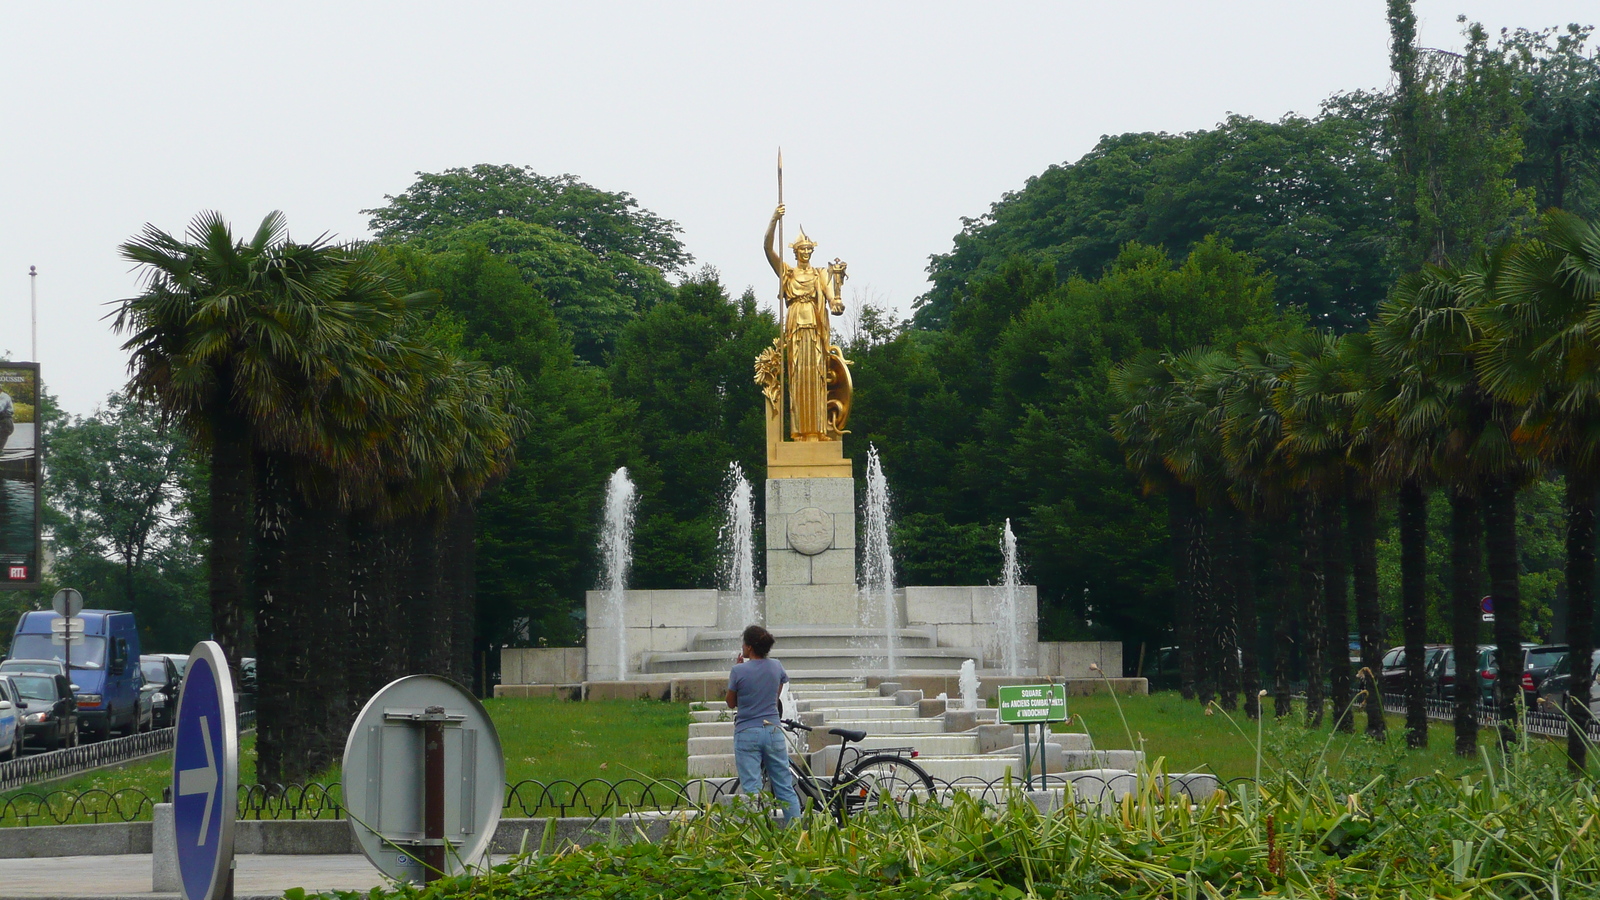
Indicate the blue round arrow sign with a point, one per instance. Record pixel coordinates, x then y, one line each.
205 774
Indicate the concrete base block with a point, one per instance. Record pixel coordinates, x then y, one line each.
627 690
907 698
888 688
525 691
811 604
996 737
1197 786
1100 788
163 851
959 719
697 690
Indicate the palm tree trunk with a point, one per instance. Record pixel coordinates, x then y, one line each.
1500 544
1230 541
1337 614
1363 509
1580 611
464 559
1248 633
1311 609
1180 516
277 723
1414 606
1283 624
1466 586
1204 607
229 529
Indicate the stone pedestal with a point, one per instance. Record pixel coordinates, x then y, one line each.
811 551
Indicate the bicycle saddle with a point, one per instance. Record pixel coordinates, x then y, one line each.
850 736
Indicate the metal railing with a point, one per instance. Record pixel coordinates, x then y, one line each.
591 798
85 757
1548 724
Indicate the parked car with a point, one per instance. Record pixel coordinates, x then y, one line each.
1553 690
1393 677
10 719
1489 668
247 684
50 714
163 681
104 666
180 660
1537 665
1443 676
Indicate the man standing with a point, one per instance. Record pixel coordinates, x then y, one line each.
758 742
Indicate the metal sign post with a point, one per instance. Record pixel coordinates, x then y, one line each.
67 603
205 776
1033 704
424 779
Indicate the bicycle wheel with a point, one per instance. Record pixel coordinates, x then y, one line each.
877 781
811 799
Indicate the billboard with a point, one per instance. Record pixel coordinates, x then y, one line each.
19 475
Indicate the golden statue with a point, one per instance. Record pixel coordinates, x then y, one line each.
815 372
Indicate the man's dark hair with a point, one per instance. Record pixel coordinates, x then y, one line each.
759 639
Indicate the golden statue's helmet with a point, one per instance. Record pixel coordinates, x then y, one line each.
801 242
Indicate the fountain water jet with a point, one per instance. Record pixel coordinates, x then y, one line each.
616 554
738 545
1009 614
878 565
969 685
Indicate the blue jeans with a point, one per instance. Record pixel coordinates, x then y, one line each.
763 747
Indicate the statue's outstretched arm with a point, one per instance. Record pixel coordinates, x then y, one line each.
773 256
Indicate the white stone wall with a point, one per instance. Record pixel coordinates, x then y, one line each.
663 621
811 588
542 665
1071 659
968 616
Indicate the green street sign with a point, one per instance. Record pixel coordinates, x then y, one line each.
1033 703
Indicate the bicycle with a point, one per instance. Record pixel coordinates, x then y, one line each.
887 775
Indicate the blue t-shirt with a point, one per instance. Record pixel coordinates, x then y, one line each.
757 683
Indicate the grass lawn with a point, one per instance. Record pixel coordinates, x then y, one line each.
1180 732
551 740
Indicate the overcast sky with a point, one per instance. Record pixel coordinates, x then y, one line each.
896 119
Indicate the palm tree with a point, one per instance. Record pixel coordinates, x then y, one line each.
217 338
1439 408
1316 434
1263 484
1540 352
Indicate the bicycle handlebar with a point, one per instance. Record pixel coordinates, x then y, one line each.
790 723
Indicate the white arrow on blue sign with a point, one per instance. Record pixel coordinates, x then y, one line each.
205 775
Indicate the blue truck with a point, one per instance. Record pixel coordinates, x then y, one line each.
105 666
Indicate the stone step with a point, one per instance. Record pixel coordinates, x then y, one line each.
842 702
942 660
711 704
924 744
710 729
816 637
890 726
711 715
832 713
806 693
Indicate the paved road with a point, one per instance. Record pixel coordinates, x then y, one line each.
115 877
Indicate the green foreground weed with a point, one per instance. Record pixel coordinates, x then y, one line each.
1521 828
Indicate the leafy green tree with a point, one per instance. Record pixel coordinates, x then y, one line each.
119 485
597 256
608 224
536 528
687 365
583 290
1557 80
1298 194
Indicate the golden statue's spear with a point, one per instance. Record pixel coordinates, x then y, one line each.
780 234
